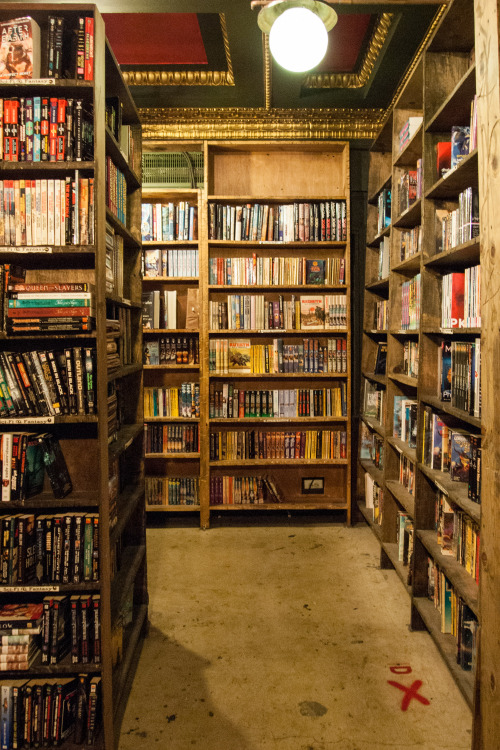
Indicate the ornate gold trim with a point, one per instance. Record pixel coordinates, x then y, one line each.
164 123
142 77
359 79
418 54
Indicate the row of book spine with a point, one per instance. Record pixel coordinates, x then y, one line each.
458 535
453 451
172 438
50 548
371 446
407 473
172 350
172 490
311 221
374 400
46 128
167 222
116 191
48 382
71 625
381 321
69 52
49 711
171 262
159 309
456 616
257 312
461 298
384 258
259 270
44 212
405 420
410 242
384 202
226 401
232 357
247 490
466 376
461 224
180 401
374 498
410 303
409 187
265 444
410 358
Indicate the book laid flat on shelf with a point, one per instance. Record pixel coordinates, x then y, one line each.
19 48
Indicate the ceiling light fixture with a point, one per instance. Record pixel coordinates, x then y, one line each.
298 32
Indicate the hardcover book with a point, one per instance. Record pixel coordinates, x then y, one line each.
315 271
240 356
312 313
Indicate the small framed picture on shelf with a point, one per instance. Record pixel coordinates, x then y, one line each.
313 485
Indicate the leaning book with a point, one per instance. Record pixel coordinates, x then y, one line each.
19 48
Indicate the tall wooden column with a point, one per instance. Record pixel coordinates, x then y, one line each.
487 724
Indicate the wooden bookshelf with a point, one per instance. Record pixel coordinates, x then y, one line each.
164 467
89 455
242 173
455 65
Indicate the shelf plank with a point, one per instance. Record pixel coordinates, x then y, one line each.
171 367
315 245
244 332
402 495
446 646
126 436
455 109
282 461
367 514
120 160
276 420
280 375
391 549
129 239
463 176
463 255
126 502
376 474
381 379
172 508
410 265
171 279
374 425
456 491
404 448
279 506
131 561
400 377
462 582
412 151
379 286
189 420
180 456
273 287
446 408
375 242
411 217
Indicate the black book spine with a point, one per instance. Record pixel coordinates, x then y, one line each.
58 46
67 548
61 392
70 378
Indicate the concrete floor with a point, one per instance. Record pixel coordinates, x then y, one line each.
282 638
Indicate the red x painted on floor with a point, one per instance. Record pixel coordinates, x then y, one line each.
411 692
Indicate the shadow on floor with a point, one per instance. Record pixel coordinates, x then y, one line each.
171 703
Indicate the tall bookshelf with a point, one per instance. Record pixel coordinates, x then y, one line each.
172 358
417 501
103 451
247 174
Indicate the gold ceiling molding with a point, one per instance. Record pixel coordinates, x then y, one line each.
359 79
418 54
154 77
164 123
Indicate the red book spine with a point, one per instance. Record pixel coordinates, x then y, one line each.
6 129
44 130
53 130
89 49
14 129
61 130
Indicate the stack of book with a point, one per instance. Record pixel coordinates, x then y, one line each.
49 309
21 627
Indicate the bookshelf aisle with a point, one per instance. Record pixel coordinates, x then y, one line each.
73 541
273 374
431 503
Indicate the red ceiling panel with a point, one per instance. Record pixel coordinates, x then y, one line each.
345 42
155 38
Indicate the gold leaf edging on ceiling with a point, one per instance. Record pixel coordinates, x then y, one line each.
153 77
359 79
164 123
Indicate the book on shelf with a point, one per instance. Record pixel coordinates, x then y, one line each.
410 358
384 258
405 420
365 442
239 357
278 444
460 299
408 130
373 402
20 53
171 438
460 142
312 312
384 210
315 271
244 490
381 359
445 370
443 158
172 490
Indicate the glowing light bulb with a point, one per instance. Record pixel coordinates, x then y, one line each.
298 40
